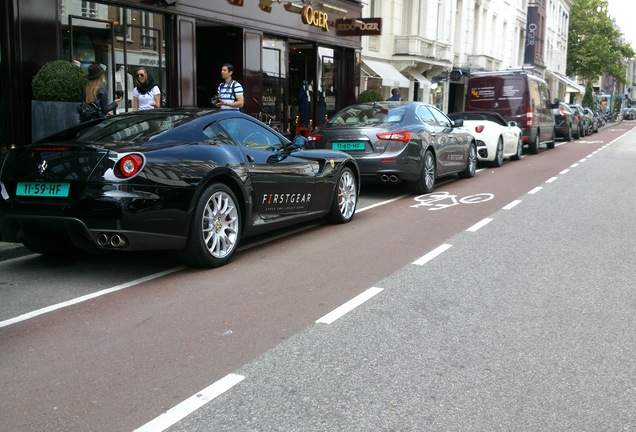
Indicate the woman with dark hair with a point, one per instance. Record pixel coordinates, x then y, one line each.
146 94
95 94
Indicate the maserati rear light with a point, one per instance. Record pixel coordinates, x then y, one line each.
402 136
314 137
479 129
129 166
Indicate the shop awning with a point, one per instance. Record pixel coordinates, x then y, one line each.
391 77
571 86
425 84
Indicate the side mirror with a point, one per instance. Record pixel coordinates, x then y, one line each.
275 158
298 142
458 123
512 123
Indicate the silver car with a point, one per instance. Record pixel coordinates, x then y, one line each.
400 141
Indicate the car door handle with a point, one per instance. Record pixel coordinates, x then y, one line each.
250 159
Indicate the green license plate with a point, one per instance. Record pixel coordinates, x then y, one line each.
43 189
349 146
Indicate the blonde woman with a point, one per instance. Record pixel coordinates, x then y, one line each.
146 94
95 93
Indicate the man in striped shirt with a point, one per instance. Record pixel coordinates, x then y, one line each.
230 92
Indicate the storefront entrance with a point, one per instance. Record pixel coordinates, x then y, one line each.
293 87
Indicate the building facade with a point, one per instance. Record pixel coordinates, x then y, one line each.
284 53
429 48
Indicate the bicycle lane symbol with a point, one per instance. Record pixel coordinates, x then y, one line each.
442 200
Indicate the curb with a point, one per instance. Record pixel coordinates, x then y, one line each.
12 250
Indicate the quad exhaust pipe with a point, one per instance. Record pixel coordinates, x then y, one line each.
112 240
389 178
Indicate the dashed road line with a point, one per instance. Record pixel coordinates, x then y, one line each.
193 403
480 224
432 254
511 205
349 306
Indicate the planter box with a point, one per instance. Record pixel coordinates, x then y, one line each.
48 118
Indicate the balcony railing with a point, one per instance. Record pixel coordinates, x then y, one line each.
149 42
419 46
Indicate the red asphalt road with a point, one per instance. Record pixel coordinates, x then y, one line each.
116 362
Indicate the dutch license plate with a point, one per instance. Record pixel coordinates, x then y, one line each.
348 146
43 189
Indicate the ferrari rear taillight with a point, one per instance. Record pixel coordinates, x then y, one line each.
479 129
403 136
129 165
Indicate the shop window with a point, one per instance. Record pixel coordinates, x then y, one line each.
120 39
274 58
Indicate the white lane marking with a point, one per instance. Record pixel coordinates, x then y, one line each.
193 403
511 205
550 180
574 165
582 160
535 190
432 254
349 306
565 171
380 203
86 297
480 224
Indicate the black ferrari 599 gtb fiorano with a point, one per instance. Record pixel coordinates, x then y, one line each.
196 181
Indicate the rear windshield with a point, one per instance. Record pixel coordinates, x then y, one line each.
363 115
495 93
134 128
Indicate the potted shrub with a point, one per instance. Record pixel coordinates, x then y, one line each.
370 95
57 90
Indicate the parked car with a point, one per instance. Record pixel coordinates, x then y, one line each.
593 122
496 139
629 113
566 122
517 95
584 120
195 181
400 141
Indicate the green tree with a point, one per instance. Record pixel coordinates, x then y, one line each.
588 98
594 45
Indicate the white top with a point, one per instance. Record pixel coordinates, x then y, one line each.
144 99
225 93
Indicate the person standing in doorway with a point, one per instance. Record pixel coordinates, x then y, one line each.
95 91
395 95
146 94
96 95
230 91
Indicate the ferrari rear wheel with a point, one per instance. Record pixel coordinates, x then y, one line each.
519 153
498 161
345 198
215 230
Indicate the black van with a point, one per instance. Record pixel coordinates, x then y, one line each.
518 96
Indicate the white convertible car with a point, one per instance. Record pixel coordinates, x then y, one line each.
496 138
